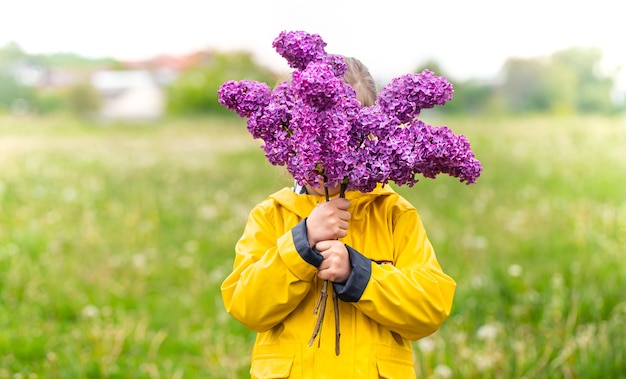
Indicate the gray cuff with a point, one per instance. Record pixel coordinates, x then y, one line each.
353 288
301 242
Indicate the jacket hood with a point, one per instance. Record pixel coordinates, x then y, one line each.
303 204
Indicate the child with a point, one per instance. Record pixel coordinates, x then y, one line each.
371 246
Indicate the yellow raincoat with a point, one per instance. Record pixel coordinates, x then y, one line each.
396 293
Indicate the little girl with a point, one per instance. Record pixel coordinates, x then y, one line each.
373 249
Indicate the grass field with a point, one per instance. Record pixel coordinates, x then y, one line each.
114 240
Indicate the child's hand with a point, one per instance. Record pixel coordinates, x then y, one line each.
328 221
336 263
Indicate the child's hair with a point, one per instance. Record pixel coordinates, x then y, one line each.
359 77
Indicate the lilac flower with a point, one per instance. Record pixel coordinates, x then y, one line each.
338 65
299 48
322 138
431 151
315 127
370 166
407 95
271 124
318 86
373 122
245 97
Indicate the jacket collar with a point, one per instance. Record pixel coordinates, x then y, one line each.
303 204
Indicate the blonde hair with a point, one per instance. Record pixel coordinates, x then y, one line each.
359 77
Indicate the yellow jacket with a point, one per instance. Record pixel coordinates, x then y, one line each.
396 293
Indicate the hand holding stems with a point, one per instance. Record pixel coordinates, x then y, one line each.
325 225
336 263
328 221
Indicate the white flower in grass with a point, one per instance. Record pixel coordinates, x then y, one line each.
477 282
519 346
487 332
484 361
459 337
557 280
191 246
426 345
51 356
585 335
139 261
90 311
208 212
69 194
515 270
442 372
184 261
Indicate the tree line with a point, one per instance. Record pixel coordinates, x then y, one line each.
566 82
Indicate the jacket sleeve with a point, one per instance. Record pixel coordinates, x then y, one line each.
270 276
412 297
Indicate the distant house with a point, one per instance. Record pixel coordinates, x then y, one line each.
28 73
129 95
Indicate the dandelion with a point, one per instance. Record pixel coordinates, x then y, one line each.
185 262
139 261
191 246
51 356
487 332
557 281
90 311
426 345
484 362
515 270
459 337
207 212
477 282
442 372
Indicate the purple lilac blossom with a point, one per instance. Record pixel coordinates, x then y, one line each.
272 125
245 97
407 95
434 151
317 85
300 48
322 139
338 65
315 127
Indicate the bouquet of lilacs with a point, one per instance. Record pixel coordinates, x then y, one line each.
315 126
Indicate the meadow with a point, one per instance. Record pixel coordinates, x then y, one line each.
115 238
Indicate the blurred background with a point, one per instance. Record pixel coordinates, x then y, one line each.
149 59
124 185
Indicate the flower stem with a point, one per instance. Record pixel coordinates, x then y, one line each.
337 331
342 194
320 306
320 309
342 189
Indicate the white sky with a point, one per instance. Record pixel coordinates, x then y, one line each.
469 38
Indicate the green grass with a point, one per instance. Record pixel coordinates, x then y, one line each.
114 240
